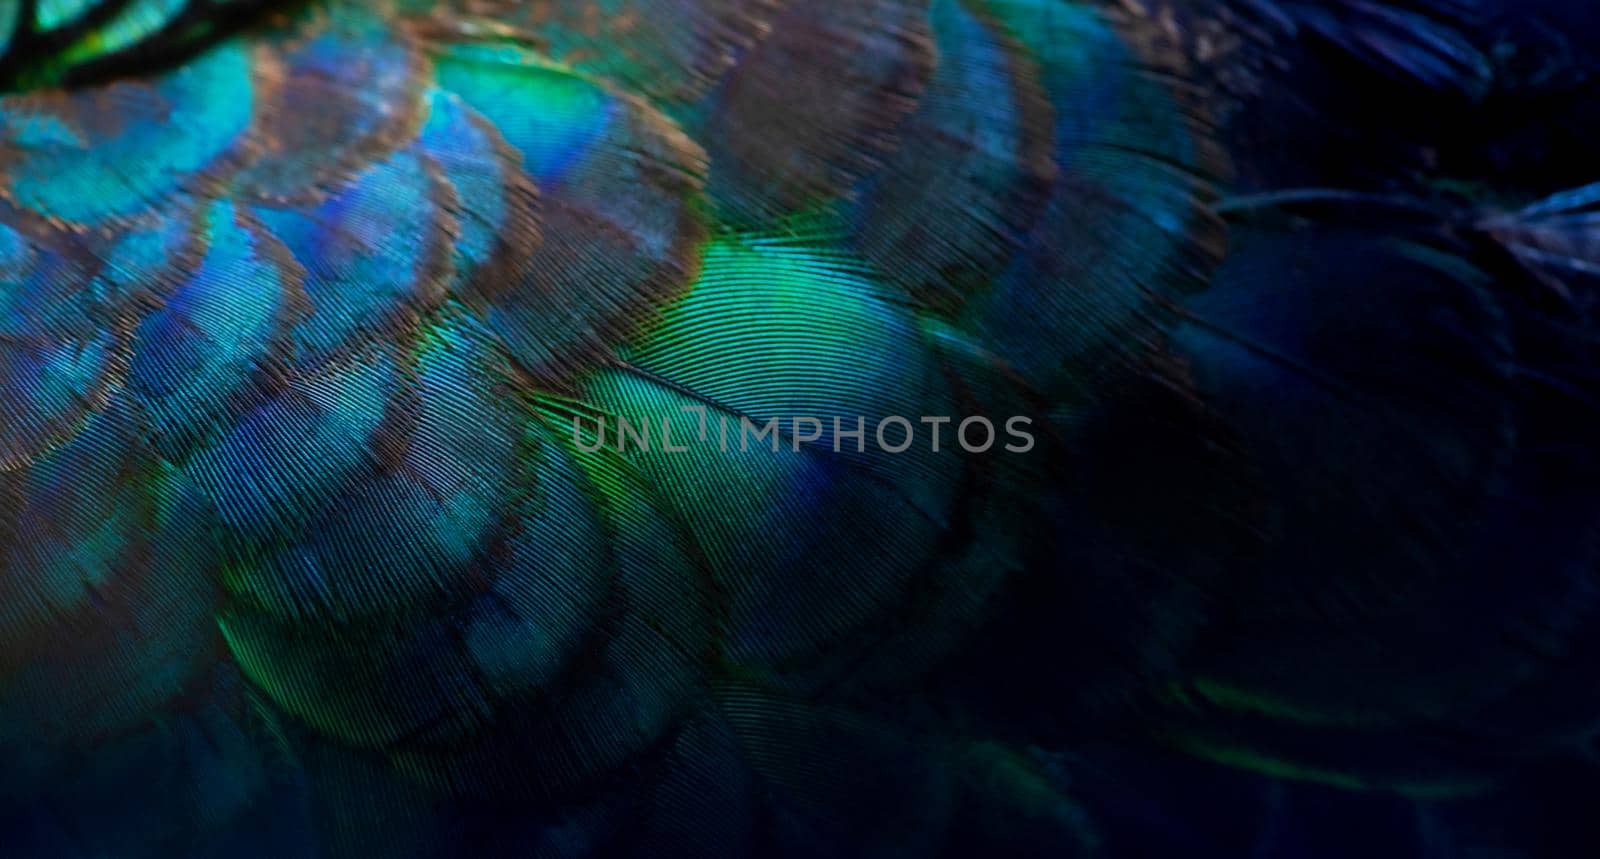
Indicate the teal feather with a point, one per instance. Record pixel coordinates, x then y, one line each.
216 335
151 140
330 434
809 312
619 227
981 135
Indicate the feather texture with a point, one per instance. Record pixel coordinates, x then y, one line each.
471 427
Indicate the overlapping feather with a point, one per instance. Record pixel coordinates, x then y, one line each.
306 311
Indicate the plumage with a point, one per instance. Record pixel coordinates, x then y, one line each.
473 427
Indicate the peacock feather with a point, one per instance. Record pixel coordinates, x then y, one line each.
796 427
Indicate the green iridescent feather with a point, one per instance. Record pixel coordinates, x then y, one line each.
324 326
